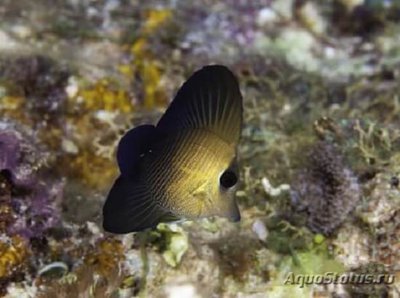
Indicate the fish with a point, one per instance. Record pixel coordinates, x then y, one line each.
184 167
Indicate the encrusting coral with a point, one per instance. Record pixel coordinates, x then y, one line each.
34 194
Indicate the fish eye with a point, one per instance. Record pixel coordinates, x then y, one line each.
228 179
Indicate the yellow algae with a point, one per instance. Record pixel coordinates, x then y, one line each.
151 78
145 64
96 172
104 96
147 68
13 107
11 102
140 49
155 19
94 135
12 255
126 70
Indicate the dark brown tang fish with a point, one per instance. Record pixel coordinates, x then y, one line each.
185 166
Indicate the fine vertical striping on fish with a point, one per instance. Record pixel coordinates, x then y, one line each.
185 166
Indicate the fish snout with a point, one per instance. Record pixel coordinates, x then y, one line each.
235 216
234 213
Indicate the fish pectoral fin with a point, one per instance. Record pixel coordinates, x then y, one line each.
169 217
130 208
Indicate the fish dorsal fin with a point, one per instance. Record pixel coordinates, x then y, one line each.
210 99
132 146
130 208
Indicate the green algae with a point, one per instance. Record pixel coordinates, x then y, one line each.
172 241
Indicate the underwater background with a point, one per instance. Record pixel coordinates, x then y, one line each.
319 154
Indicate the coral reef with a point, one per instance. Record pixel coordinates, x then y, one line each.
320 82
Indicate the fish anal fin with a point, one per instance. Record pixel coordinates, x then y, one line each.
130 208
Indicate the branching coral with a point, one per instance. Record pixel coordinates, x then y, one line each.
327 189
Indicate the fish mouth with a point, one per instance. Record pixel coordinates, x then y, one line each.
235 217
234 214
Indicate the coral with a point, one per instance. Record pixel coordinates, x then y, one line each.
104 119
106 256
13 252
299 56
236 256
380 289
352 247
85 282
36 95
13 260
12 107
145 64
327 189
33 195
387 239
95 171
103 95
364 18
381 214
6 210
40 80
18 155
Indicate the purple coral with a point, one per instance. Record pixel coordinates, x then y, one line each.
34 194
327 190
15 156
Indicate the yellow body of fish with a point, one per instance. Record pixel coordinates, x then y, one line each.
185 173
